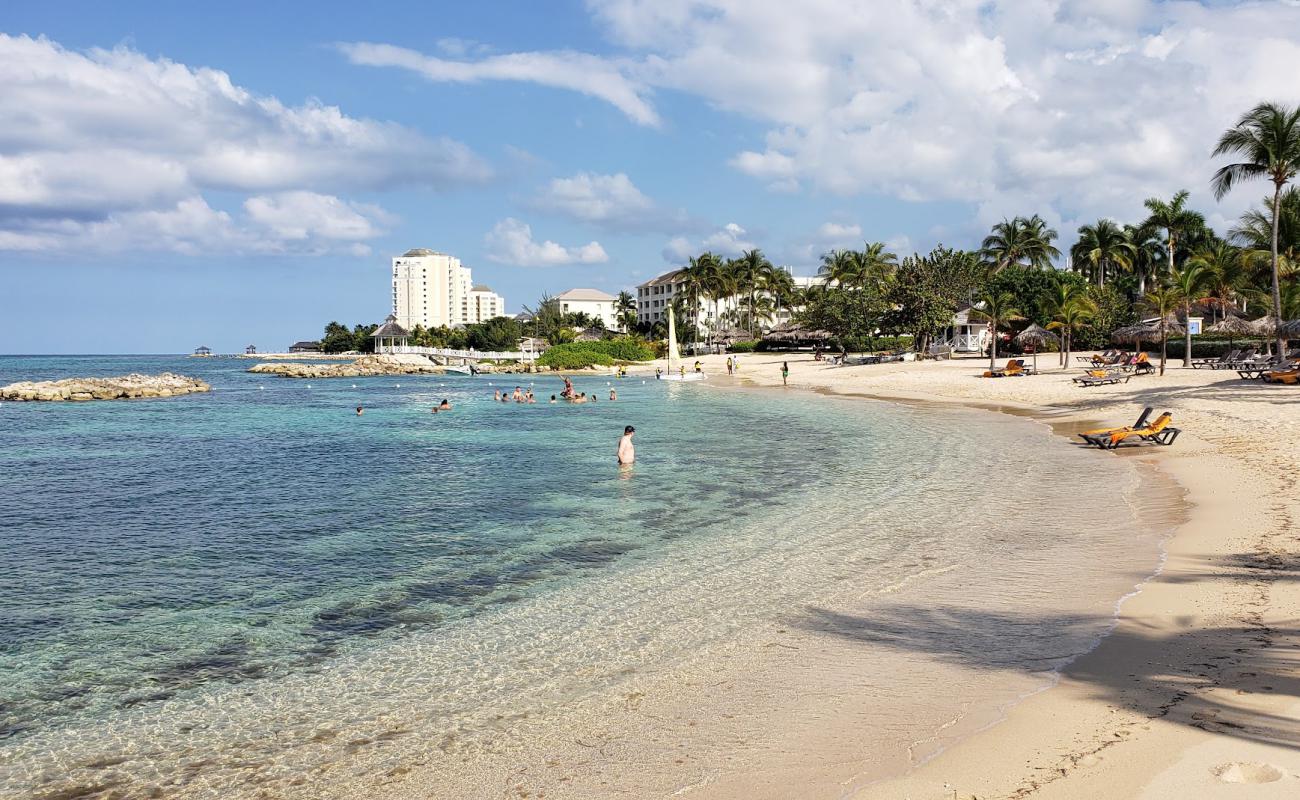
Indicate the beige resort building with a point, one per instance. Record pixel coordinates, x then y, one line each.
592 302
433 289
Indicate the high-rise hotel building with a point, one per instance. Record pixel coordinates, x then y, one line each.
434 289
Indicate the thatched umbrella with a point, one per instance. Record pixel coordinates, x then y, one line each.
1233 326
1290 330
1037 336
1266 328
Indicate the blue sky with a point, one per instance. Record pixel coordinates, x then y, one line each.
174 175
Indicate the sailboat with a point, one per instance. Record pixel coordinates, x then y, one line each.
674 357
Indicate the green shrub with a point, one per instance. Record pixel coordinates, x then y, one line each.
578 355
743 347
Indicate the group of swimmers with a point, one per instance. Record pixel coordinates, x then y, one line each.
519 396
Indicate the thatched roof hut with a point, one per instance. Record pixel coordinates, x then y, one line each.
792 334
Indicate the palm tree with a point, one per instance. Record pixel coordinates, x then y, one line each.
780 287
1267 138
1103 246
1227 273
751 271
1175 218
1070 308
1147 252
1255 232
839 266
1163 301
877 265
996 308
1068 318
625 310
1020 242
1004 244
695 278
1192 282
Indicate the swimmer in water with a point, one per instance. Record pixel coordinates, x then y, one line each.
444 405
613 395
360 411
626 453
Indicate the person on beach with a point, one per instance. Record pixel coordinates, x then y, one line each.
730 366
626 453
682 370
360 411
659 373
699 367
785 373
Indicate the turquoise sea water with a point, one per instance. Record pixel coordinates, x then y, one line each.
261 548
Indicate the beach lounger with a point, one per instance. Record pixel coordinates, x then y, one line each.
1244 358
1158 432
1013 367
1099 377
1216 363
1283 374
1098 436
1142 365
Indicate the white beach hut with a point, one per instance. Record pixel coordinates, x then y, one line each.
966 335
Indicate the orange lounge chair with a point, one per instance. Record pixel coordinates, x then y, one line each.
1097 377
1291 376
1100 435
1158 432
1014 367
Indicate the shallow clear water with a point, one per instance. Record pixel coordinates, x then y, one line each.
262 578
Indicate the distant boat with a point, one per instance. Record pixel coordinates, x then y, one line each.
460 369
674 356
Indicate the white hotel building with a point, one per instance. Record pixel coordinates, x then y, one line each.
592 302
434 289
655 295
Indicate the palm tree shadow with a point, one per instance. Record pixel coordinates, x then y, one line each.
1165 676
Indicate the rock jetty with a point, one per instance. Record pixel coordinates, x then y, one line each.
366 365
123 387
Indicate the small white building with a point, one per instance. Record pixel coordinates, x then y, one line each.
592 302
965 335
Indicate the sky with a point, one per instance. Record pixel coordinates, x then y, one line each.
242 173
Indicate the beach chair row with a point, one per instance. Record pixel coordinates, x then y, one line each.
1014 367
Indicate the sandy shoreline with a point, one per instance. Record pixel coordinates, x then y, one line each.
1195 691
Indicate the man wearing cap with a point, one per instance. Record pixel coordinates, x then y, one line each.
626 454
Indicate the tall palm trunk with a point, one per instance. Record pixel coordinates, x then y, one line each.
1277 291
1187 333
1164 347
993 344
1171 251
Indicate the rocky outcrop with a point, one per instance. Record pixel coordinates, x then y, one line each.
366 365
123 387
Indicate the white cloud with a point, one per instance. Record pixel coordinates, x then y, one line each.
605 79
609 201
836 234
93 143
290 223
730 240
511 242
1072 107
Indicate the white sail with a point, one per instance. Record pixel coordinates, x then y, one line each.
673 355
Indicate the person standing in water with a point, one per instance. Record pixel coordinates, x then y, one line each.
626 452
785 373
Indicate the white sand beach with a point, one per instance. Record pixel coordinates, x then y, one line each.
1197 690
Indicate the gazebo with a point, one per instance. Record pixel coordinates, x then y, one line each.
203 350
251 350
390 335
